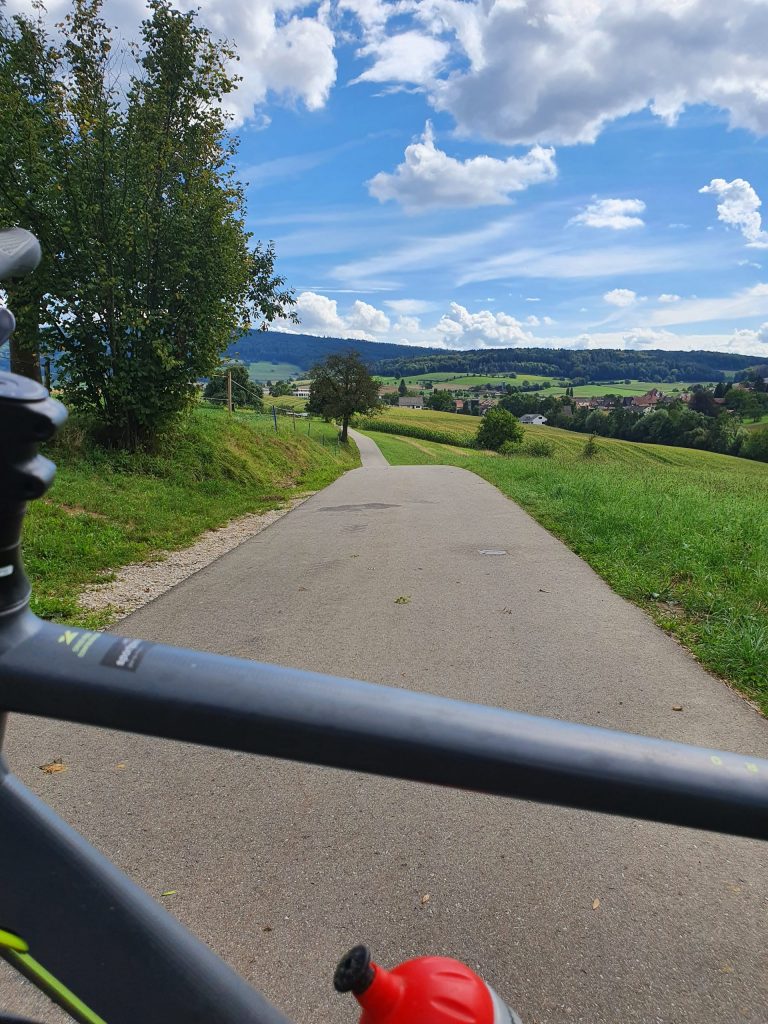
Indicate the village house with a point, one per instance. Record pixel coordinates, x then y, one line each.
648 400
411 403
301 392
534 419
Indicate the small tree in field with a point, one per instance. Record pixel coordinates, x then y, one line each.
497 427
590 449
341 386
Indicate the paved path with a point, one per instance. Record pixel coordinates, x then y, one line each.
282 867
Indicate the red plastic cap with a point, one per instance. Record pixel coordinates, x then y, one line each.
429 990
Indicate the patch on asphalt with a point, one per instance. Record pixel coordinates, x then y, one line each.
356 508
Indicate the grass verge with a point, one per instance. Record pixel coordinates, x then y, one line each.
108 509
683 535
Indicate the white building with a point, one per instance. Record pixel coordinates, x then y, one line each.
301 392
533 419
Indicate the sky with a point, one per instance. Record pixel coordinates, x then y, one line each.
461 174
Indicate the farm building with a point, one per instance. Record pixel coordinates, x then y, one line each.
411 403
534 419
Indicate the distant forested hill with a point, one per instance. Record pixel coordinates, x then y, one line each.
303 350
406 360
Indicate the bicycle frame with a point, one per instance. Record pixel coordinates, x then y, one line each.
123 955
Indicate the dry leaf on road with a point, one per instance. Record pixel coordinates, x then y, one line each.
53 766
595 903
425 899
169 892
403 599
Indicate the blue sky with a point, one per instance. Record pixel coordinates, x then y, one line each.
523 172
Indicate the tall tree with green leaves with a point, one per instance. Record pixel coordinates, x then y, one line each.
342 386
150 272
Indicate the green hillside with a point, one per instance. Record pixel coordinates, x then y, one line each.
681 533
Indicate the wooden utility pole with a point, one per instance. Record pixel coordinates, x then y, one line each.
229 390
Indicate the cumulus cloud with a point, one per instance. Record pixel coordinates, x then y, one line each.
558 71
617 214
621 297
483 328
648 337
320 315
751 342
739 206
286 49
410 57
428 177
668 297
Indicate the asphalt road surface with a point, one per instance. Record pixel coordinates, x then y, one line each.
281 867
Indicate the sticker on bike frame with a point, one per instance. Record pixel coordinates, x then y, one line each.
126 654
78 641
6 570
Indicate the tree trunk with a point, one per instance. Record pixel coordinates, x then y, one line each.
344 425
24 301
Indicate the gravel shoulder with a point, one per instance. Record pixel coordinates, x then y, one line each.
141 582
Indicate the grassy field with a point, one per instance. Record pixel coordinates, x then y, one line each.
635 387
758 425
262 372
681 533
285 402
107 509
462 380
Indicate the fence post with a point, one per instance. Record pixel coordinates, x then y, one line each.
293 414
229 391
274 417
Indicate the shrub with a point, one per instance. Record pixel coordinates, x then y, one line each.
755 445
498 426
510 448
540 448
590 449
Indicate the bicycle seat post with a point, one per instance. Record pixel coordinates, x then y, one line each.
28 416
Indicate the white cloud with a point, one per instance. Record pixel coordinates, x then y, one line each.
482 328
533 321
533 298
408 57
286 48
621 297
574 263
668 297
364 317
429 177
751 342
618 214
648 337
750 302
458 329
558 71
739 206
409 307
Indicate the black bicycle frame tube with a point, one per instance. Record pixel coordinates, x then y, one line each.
102 679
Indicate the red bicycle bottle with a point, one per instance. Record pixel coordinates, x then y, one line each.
428 990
